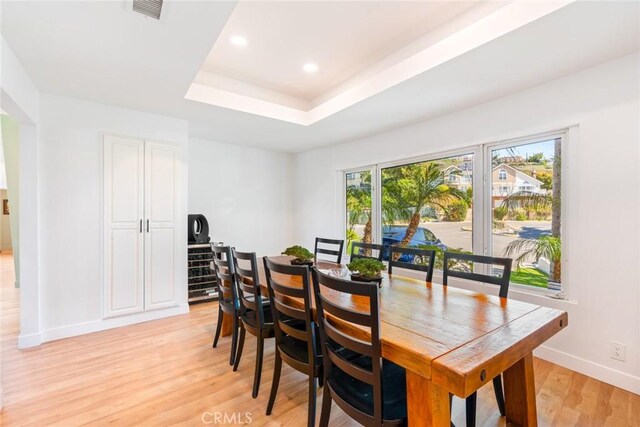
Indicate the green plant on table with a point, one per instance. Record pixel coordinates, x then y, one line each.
299 253
367 268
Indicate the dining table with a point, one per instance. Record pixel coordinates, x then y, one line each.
449 340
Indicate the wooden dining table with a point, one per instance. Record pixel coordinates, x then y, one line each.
451 340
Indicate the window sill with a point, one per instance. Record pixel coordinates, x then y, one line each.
528 294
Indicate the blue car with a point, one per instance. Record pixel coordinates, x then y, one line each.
393 234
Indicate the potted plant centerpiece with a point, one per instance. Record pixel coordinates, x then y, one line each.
301 256
366 270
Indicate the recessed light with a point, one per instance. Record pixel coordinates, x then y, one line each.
238 41
310 67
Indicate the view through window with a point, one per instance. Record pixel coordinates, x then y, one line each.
525 204
359 208
429 205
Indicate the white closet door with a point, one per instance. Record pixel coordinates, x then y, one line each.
160 225
123 232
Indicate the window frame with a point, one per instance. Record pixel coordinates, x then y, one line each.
481 182
374 201
488 214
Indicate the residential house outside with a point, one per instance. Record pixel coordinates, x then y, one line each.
508 180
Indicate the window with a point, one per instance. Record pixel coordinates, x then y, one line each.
359 210
526 222
430 203
422 206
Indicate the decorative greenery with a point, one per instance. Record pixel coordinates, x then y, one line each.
456 211
299 253
367 268
549 247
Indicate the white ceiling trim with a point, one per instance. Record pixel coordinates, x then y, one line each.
503 21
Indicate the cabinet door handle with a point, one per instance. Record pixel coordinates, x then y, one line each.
147 226
141 226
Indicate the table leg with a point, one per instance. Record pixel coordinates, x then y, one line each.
520 393
227 325
427 403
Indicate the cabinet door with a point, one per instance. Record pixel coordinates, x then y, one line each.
123 232
160 225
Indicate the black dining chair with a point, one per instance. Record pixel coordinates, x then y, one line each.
370 389
450 261
255 310
331 247
297 339
412 259
366 250
227 296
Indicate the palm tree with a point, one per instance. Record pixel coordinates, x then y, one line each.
549 247
408 189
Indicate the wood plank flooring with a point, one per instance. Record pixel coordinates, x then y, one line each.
165 372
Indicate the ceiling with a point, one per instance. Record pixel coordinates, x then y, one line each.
342 38
101 51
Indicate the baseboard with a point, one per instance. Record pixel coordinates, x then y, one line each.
591 369
115 322
30 340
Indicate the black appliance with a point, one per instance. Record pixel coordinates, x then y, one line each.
198 227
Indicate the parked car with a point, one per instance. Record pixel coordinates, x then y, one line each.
393 234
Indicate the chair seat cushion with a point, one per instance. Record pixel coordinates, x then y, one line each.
360 395
298 349
250 317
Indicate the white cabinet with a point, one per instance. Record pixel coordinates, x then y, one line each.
141 247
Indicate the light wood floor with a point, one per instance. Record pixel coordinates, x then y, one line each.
166 373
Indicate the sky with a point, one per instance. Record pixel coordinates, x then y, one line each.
545 147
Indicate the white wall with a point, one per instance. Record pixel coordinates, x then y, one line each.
70 174
18 94
245 193
601 230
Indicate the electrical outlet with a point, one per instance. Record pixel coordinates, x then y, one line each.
618 351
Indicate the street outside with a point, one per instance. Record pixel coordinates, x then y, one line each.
458 234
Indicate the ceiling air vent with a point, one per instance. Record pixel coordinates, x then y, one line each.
150 8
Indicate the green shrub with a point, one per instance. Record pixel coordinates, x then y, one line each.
368 268
521 216
456 211
299 253
500 212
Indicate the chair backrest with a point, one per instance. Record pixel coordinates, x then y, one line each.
321 248
365 250
248 283
366 314
288 318
401 260
225 272
503 281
